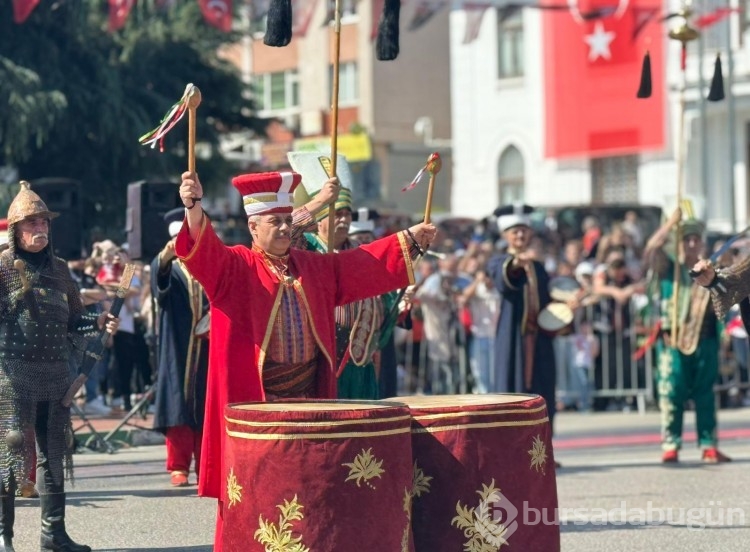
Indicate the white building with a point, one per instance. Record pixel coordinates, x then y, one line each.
498 125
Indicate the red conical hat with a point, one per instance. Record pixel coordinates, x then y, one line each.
271 192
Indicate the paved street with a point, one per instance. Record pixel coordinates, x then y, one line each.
628 482
123 502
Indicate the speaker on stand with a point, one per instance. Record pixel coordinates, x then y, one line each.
148 202
63 195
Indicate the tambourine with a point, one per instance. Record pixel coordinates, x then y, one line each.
563 288
203 326
555 317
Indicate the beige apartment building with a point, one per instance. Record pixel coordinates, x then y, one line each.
392 114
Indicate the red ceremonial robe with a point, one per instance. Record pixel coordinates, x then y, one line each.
245 295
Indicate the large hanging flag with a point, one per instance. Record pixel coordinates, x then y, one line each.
591 65
217 13
22 9
119 10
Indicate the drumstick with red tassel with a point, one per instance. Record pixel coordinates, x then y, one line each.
432 167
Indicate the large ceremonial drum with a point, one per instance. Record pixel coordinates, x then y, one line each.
317 476
484 474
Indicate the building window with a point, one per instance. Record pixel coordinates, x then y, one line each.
509 44
348 83
615 179
510 176
275 92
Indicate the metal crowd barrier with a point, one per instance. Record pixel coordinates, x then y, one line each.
615 377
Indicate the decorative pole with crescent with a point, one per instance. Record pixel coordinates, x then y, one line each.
683 33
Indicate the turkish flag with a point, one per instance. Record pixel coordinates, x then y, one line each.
217 13
22 9
591 73
119 10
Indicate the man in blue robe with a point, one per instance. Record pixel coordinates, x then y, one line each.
524 355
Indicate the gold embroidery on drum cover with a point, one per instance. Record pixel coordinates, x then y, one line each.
280 538
538 453
407 509
420 484
364 467
234 489
478 525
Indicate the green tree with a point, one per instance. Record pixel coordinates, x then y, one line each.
81 97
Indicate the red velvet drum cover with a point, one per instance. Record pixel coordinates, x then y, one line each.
484 474
317 476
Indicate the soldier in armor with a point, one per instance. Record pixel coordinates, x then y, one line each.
688 367
42 323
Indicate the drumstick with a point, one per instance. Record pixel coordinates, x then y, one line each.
433 166
193 101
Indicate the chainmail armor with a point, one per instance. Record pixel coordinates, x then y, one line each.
34 364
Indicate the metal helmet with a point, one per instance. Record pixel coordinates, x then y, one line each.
28 204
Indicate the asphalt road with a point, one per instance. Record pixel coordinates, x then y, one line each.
611 472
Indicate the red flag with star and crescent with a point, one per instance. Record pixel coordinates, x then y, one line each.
217 13
592 70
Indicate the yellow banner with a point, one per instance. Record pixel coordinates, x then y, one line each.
355 147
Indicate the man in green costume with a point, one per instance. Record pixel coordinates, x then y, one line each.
363 327
687 366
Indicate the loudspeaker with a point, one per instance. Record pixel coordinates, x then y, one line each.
148 202
63 195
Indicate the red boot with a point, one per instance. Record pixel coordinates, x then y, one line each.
669 457
713 456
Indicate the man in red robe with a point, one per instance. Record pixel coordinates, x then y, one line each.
272 307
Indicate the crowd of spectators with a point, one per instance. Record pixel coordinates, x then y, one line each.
603 359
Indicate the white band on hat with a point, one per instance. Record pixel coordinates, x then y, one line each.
287 179
505 222
255 204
